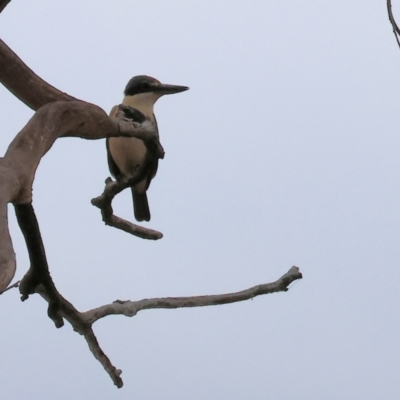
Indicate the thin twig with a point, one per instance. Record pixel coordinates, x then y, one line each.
396 29
103 202
115 374
131 308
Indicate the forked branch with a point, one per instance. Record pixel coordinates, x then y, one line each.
82 322
38 280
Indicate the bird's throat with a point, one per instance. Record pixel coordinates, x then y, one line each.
144 102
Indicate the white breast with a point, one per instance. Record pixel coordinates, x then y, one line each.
127 153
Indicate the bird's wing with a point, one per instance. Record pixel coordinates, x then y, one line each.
132 113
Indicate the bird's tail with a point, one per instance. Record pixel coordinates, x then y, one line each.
140 206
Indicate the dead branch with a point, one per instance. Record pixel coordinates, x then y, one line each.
3 4
115 374
38 280
67 311
103 202
131 308
82 322
396 29
24 83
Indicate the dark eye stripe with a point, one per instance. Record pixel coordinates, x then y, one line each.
140 84
145 86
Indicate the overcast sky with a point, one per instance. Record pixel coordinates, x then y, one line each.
285 151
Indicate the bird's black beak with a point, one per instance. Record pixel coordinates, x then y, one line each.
170 89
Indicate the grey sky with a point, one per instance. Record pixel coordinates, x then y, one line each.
285 151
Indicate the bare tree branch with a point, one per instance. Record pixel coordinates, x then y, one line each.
82 322
396 29
24 83
20 80
103 202
115 374
38 279
131 308
3 4
67 311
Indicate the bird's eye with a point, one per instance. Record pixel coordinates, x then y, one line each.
145 86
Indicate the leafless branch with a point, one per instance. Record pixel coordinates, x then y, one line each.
103 202
82 322
3 4
80 325
396 29
115 374
38 280
20 80
131 308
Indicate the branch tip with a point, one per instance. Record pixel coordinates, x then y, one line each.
103 202
131 308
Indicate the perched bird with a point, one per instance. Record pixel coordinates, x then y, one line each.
124 154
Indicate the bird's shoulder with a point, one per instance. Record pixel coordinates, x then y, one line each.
128 112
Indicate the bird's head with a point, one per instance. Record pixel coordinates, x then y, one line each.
146 84
143 91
